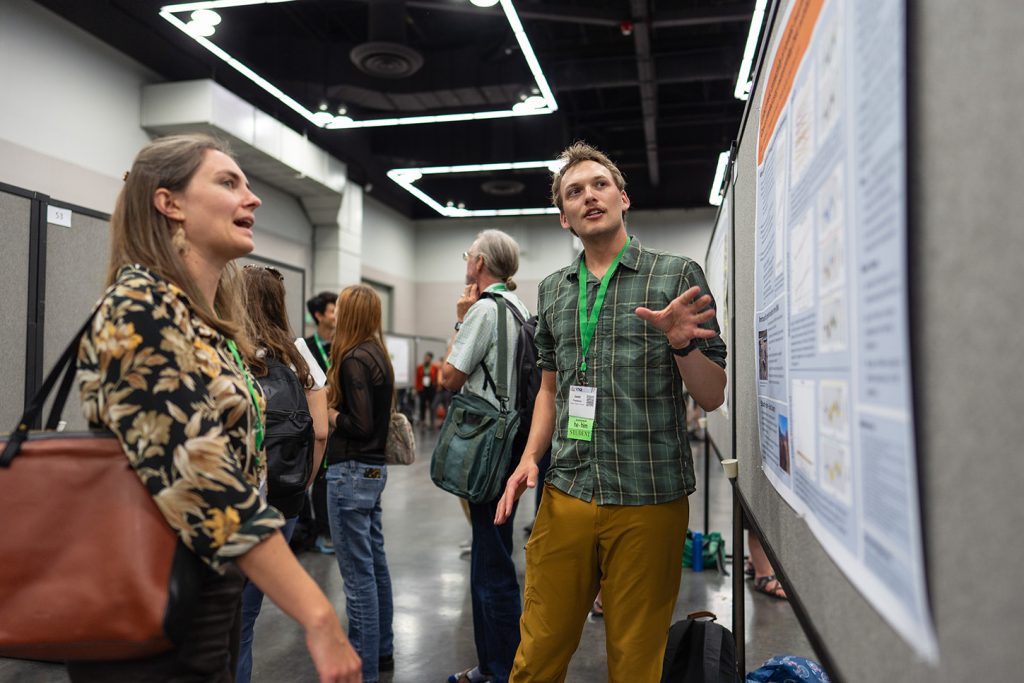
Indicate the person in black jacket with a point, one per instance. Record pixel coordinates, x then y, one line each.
360 386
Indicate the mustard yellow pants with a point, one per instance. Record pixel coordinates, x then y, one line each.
632 553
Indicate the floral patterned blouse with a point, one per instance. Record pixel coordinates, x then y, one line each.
166 384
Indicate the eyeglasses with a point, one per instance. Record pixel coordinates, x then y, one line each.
271 269
467 255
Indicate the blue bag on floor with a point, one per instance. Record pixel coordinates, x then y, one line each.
789 669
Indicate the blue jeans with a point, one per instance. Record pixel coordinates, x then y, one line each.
497 605
353 507
252 601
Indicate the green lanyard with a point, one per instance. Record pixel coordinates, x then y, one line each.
589 323
252 394
497 288
323 353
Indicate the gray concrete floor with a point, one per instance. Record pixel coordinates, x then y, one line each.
423 527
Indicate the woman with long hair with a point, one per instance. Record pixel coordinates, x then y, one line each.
360 387
161 367
274 341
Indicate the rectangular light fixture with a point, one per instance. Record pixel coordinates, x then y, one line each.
742 91
716 185
407 177
544 103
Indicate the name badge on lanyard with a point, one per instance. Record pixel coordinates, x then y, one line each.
583 399
582 409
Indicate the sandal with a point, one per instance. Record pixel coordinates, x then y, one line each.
597 610
777 591
748 568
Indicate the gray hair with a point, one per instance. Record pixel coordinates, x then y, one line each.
500 253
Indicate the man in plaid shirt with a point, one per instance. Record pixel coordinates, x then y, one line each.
619 332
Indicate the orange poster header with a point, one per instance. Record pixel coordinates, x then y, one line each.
790 53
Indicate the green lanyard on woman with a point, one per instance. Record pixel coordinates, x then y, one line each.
252 394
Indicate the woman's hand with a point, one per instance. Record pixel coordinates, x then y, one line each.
272 566
335 659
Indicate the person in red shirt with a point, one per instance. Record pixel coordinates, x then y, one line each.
426 387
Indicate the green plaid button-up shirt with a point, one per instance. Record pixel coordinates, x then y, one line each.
639 454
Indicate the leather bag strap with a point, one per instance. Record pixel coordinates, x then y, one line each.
65 364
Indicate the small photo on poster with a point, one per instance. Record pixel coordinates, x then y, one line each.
784 443
762 355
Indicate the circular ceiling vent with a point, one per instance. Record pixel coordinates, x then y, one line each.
502 188
386 60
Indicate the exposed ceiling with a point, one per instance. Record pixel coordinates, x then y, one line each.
650 82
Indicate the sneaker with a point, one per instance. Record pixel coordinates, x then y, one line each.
465 548
464 676
325 546
386 663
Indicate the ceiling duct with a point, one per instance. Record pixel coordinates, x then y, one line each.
385 54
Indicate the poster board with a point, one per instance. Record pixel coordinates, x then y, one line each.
718 267
963 245
15 225
835 411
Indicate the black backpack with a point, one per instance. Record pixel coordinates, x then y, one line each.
527 372
289 436
700 651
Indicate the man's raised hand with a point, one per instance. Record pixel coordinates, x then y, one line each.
681 319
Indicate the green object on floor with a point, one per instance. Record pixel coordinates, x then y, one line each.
714 551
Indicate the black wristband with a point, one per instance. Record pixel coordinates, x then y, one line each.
686 350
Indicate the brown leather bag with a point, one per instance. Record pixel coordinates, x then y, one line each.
89 568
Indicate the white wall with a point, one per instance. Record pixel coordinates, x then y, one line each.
69 124
283 231
69 127
390 256
544 248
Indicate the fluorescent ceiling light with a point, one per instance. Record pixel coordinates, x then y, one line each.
407 177
198 29
742 91
205 16
716 185
484 3
200 32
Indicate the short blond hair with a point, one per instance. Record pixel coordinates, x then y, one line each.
574 154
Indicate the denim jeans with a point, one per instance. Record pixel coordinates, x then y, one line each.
252 601
497 605
353 506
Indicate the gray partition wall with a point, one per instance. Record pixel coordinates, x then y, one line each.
76 268
15 234
965 173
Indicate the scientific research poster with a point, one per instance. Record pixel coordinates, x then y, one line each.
831 320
